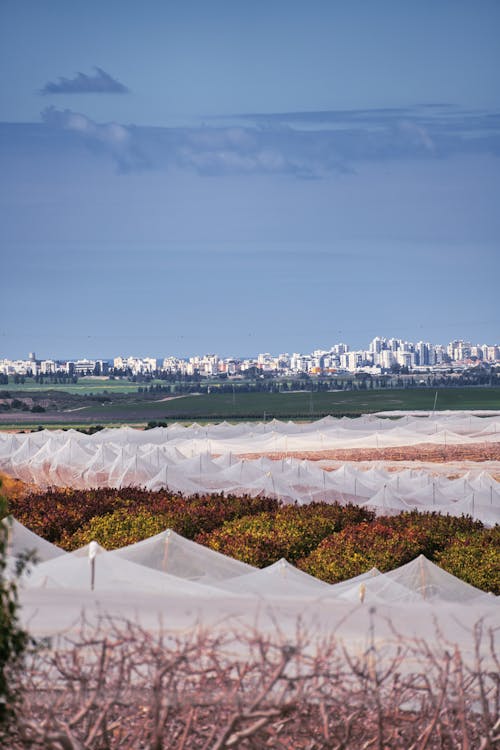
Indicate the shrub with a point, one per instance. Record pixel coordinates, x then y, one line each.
292 531
358 548
14 641
57 515
117 529
436 531
475 558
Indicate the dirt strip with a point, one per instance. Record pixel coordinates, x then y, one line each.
420 452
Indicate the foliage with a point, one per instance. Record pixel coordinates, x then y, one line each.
292 531
475 558
117 529
13 639
435 530
60 515
386 544
329 541
358 548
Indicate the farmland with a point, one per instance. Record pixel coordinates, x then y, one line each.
86 385
71 409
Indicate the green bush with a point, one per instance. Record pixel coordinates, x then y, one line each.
292 532
14 641
358 548
117 529
475 558
435 530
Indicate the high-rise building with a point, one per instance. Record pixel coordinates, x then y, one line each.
377 344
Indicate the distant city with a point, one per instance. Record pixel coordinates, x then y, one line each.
382 356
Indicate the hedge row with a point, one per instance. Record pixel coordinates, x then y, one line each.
292 531
60 515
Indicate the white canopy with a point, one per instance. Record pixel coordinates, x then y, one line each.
211 458
169 552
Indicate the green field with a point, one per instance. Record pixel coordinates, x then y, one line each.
302 405
85 385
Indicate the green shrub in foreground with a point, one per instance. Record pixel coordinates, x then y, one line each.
14 640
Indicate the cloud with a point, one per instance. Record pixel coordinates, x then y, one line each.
303 145
110 138
100 83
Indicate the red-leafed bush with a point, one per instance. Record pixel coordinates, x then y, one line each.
57 515
358 548
436 530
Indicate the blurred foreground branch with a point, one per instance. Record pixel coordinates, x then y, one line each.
123 687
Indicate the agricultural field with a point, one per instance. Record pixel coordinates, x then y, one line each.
85 385
70 409
329 541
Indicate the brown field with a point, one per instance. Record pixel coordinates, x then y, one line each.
422 452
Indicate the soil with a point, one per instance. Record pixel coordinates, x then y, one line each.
422 452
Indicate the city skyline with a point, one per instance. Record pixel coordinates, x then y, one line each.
223 177
382 355
241 355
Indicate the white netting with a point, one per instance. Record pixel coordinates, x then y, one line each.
195 587
279 579
169 552
21 540
212 459
410 602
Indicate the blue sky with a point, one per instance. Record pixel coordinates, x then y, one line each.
240 177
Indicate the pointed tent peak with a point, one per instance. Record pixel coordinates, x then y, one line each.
92 547
350 583
21 539
283 568
281 564
281 578
328 420
110 573
176 427
169 552
434 583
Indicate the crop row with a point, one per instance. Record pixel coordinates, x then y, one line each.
329 541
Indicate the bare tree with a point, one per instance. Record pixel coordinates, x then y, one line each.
119 686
